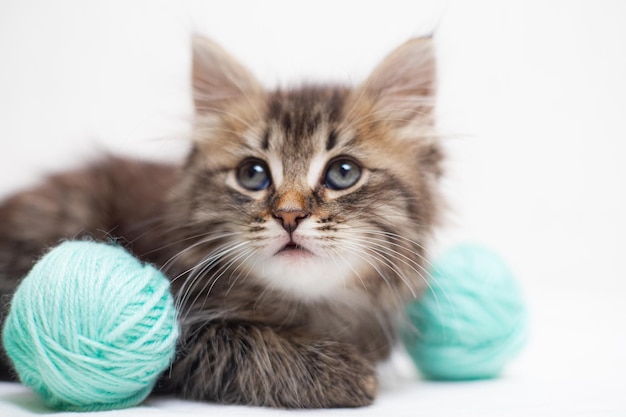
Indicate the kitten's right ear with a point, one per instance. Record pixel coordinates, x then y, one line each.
217 78
403 84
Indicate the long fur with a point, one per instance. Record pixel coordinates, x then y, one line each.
271 315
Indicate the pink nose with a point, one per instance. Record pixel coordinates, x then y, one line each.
290 218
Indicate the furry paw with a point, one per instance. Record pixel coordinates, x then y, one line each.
341 377
239 363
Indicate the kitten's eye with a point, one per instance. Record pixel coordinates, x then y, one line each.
342 174
254 175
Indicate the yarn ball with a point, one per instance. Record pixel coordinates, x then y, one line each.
91 328
471 321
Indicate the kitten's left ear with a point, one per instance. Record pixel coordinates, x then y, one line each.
218 79
403 84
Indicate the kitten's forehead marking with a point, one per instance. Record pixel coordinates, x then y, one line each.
324 153
300 135
320 156
301 159
318 159
255 138
276 169
252 138
317 164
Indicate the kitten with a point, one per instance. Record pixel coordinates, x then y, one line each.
293 233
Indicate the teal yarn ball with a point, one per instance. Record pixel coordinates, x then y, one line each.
91 328
471 321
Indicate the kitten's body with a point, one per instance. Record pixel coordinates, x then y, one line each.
287 286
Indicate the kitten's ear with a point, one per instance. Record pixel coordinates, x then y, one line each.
217 78
403 84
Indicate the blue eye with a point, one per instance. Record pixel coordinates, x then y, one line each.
254 175
342 174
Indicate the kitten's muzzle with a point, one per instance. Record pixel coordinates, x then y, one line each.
290 218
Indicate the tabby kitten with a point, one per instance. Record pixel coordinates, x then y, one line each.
293 234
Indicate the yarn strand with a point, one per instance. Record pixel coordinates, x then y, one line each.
91 328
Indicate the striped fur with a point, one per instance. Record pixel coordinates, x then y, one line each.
287 295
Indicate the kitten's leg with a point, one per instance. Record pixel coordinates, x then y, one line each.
30 222
103 201
240 363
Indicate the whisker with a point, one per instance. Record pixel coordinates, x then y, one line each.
338 255
430 281
387 251
196 236
388 263
198 271
398 238
397 253
213 280
376 268
250 253
195 245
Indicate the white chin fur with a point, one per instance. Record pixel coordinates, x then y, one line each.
308 278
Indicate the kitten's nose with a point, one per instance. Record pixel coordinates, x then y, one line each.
290 218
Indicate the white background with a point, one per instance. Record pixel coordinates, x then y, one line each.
532 110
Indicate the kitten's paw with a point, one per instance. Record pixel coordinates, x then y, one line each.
350 379
238 363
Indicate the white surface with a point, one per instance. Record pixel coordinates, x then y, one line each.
532 105
573 366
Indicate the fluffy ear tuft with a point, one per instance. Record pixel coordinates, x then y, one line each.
217 78
403 84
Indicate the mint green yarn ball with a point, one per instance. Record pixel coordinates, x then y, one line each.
471 321
91 328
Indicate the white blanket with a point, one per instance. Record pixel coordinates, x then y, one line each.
573 365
